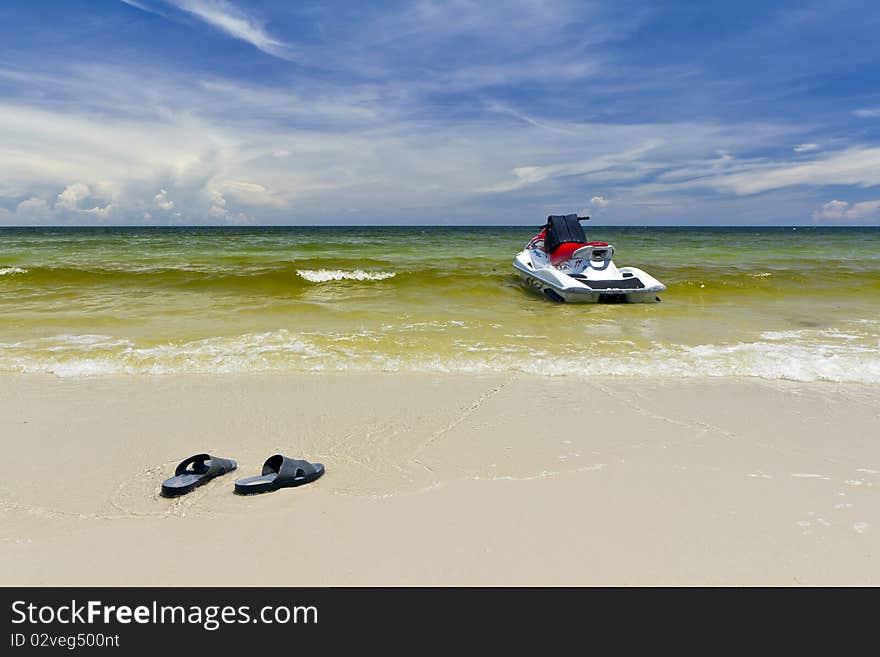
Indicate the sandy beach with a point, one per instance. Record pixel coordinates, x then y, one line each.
442 480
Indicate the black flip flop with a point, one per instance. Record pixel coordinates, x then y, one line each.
195 471
279 472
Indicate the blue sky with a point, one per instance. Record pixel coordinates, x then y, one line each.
231 112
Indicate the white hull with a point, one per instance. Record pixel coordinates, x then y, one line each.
586 282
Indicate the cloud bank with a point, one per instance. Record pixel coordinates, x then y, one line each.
417 112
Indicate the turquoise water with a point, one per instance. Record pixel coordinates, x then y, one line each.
799 304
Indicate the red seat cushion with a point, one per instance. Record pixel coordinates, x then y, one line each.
563 252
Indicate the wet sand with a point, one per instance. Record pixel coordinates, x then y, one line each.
445 479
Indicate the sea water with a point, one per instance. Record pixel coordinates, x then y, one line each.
775 303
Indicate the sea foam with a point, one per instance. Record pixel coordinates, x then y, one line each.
361 351
6 271
325 275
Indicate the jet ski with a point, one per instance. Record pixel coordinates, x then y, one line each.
564 266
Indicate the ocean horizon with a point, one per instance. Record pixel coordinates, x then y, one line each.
536 224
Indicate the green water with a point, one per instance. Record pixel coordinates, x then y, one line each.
801 303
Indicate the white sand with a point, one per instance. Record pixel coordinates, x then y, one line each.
443 479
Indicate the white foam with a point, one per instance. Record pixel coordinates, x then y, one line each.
89 355
325 275
422 326
85 339
6 271
365 351
781 335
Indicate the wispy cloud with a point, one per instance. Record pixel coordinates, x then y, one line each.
144 7
855 166
418 110
228 19
219 141
231 20
501 108
530 175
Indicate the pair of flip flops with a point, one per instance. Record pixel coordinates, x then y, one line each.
279 471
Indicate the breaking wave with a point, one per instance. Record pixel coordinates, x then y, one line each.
5 271
283 350
325 275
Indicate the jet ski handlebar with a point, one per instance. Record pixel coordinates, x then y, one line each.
578 218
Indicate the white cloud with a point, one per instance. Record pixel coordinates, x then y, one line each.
843 211
231 20
805 148
175 161
256 194
33 208
510 111
143 7
66 204
162 201
245 187
71 196
868 113
218 205
524 176
240 219
599 202
832 210
187 156
101 213
273 153
416 47
854 166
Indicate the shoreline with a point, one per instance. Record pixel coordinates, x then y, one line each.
442 479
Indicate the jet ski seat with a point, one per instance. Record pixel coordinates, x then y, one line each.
564 236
